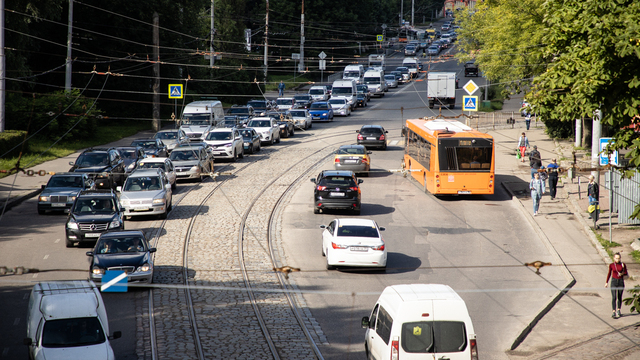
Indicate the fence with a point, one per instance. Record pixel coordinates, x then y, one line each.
626 194
498 120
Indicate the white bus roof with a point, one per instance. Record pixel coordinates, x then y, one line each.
449 125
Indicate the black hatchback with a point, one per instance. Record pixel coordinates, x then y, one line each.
372 136
336 190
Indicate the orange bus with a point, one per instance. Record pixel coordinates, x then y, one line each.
448 157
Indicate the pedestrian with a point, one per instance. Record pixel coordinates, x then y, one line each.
543 176
617 272
527 120
593 191
535 160
523 144
537 190
552 171
281 87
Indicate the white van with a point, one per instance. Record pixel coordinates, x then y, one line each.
420 321
345 89
412 65
353 72
199 116
319 93
374 79
68 320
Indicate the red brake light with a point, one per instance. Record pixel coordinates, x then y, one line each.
379 248
395 350
337 246
321 188
382 137
337 160
365 160
474 349
354 188
360 137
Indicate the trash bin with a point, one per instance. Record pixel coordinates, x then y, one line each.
486 104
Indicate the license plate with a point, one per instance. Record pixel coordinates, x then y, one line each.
350 161
358 248
339 194
58 205
141 209
464 192
371 138
92 235
316 117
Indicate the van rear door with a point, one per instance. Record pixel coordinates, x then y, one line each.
450 331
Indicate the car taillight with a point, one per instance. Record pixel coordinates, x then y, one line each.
474 349
379 247
360 137
395 350
354 188
382 137
365 160
337 160
337 246
321 188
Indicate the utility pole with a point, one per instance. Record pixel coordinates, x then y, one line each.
412 9
67 75
595 143
2 67
211 56
301 62
401 11
266 43
156 72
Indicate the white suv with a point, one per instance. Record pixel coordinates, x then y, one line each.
267 128
226 143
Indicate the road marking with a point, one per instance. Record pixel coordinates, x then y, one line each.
57 241
35 275
393 143
16 321
113 281
46 257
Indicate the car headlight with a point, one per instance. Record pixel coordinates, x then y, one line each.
227 145
96 270
44 198
324 114
131 166
114 224
72 224
159 201
146 267
72 199
124 202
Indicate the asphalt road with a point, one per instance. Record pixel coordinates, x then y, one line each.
475 244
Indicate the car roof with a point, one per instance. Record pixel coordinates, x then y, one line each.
261 118
372 126
114 234
70 174
145 172
168 130
351 147
221 130
154 160
355 221
189 147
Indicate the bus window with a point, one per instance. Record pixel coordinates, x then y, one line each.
467 159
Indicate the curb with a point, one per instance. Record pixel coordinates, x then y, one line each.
19 200
560 293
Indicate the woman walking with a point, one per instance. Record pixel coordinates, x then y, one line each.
617 272
523 144
537 190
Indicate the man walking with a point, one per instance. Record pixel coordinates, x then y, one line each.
552 171
535 160
281 88
527 120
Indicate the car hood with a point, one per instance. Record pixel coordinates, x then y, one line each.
318 111
260 129
121 259
356 240
89 218
184 163
98 351
91 169
128 162
140 195
60 191
338 106
218 142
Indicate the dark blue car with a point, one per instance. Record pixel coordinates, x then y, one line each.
321 111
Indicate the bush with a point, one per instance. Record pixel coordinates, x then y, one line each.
10 139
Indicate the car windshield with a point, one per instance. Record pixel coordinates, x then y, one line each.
65 181
248 134
239 111
403 70
185 155
434 336
283 101
167 135
371 130
358 230
351 151
142 183
298 113
259 123
93 159
372 80
151 165
219 135
337 101
337 181
72 332
342 90
123 244
351 74
319 106
146 144
389 77
316 92
128 154
86 205
195 119
257 104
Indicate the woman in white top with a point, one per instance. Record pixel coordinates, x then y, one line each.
523 144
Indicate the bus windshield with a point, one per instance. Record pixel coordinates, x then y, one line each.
466 155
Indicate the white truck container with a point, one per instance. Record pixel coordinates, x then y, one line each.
345 89
420 321
374 79
412 64
353 72
377 61
68 320
199 116
441 89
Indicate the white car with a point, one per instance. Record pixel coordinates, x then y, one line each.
226 143
146 192
267 128
340 106
301 118
285 103
160 163
353 242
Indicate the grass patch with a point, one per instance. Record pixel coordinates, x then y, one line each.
105 134
274 81
606 243
635 254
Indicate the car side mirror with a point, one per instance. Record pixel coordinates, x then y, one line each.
313 180
71 163
386 131
43 186
119 188
27 341
357 131
365 322
89 253
382 228
116 335
238 137
369 152
360 181
323 226
152 250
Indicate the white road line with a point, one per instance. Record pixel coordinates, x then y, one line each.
46 257
16 321
113 281
394 142
57 241
35 275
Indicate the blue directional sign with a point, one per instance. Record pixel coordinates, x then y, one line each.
380 37
175 91
469 103
604 157
114 281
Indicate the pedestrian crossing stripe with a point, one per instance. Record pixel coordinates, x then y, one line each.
175 91
469 103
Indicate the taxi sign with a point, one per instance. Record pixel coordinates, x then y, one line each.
175 91
469 103
380 37
470 87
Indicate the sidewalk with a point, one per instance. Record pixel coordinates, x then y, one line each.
579 324
26 187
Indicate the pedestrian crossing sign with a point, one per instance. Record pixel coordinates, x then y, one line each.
175 91
380 37
469 103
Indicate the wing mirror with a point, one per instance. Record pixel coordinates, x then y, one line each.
71 163
118 188
357 131
360 181
27 341
89 253
116 335
382 228
323 226
365 322
369 152
152 250
313 180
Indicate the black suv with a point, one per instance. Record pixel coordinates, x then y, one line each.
244 113
471 69
105 164
259 106
93 213
336 190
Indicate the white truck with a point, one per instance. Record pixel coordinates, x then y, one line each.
441 89
200 116
412 64
377 61
353 72
345 89
374 79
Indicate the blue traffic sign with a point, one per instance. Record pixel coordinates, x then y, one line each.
469 103
604 156
114 281
175 91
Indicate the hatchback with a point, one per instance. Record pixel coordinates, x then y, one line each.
336 190
372 136
354 158
353 242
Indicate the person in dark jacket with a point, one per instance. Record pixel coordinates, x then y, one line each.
617 272
552 172
535 160
281 87
593 191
